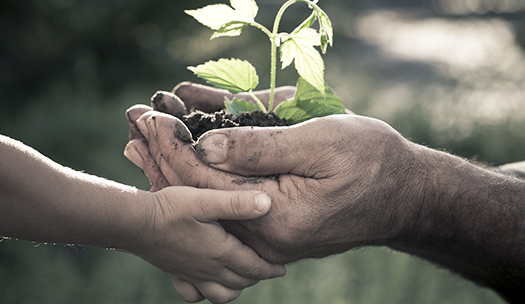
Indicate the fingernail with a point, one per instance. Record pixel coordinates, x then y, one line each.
215 148
134 156
262 202
143 127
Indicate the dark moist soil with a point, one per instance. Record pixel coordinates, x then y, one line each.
199 122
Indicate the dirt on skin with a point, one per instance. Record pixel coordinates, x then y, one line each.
199 123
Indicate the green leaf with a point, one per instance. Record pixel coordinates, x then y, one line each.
234 75
247 7
325 29
299 48
309 103
230 29
307 23
236 106
225 20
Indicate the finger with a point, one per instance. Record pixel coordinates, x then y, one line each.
230 205
249 265
208 99
280 94
132 115
186 291
200 97
214 205
259 244
131 151
137 151
230 278
300 150
170 144
168 103
217 293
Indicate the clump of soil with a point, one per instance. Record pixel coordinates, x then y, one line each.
199 122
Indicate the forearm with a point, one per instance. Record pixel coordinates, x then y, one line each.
469 219
45 202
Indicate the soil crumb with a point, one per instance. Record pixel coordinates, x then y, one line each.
255 179
199 122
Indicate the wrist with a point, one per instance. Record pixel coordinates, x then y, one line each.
467 218
454 199
439 187
135 221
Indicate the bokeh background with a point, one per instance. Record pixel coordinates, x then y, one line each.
449 74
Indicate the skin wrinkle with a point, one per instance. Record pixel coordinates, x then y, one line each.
398 194
169 139
295 215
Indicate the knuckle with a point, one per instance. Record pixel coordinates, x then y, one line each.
252 148
237 205
256 273
243 283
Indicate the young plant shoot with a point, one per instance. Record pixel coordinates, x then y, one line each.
313 97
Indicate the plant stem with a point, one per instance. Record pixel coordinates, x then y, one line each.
274 35
273 40
259 102
262 28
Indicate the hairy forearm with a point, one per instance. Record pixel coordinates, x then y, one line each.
46 202
469 219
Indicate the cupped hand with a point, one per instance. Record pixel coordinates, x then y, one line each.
187 95
337 186
184 239
209 99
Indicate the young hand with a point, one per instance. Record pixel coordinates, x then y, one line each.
204 261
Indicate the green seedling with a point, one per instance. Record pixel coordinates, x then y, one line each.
313 97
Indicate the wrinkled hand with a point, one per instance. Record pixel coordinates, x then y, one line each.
209 99
187 95
335 190
202 259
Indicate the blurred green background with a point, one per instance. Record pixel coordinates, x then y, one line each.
449 74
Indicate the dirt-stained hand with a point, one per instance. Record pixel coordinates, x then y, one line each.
209 99
331 191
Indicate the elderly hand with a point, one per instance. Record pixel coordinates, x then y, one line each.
345 181
209 99
330 192
187 95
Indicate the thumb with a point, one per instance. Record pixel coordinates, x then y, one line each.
232 205
265 151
